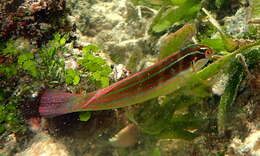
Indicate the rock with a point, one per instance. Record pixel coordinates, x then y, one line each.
120 72
43 144
250 146
128 136
71 64
237 25
117 27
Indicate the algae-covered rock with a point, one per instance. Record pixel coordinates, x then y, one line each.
43 144
250 146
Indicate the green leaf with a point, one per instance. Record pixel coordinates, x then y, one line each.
235 73
177 40
8 71
10 107
96 76
57 37
155 152
168 17
10 49
30 67
62 41
84 116
76 80
187 121
2 128
216 44
104 82
176 133
151 117
229 43
68 80
90 48
177 2
72 77
106 70
24 57
97 67
27 65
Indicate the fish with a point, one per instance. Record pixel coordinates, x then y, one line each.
149 83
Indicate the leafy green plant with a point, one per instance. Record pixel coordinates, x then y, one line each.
10 49
72 76
8 71
216 44
169 15
170 125
26 61
90 48
41 64
52 65
177 40
236 76
10 119
17 59
96 66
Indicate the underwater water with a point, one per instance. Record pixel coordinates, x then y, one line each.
129 78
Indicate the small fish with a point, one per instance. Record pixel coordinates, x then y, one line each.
149 83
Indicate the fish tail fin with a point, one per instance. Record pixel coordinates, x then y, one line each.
55 102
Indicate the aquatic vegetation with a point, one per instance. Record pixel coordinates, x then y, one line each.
14 61
161 122
52 66
165 120
96 66
216 44
72 76
9 49
10 117
235 75
26 62
228 42
18 59
174 41
8 71
168 15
